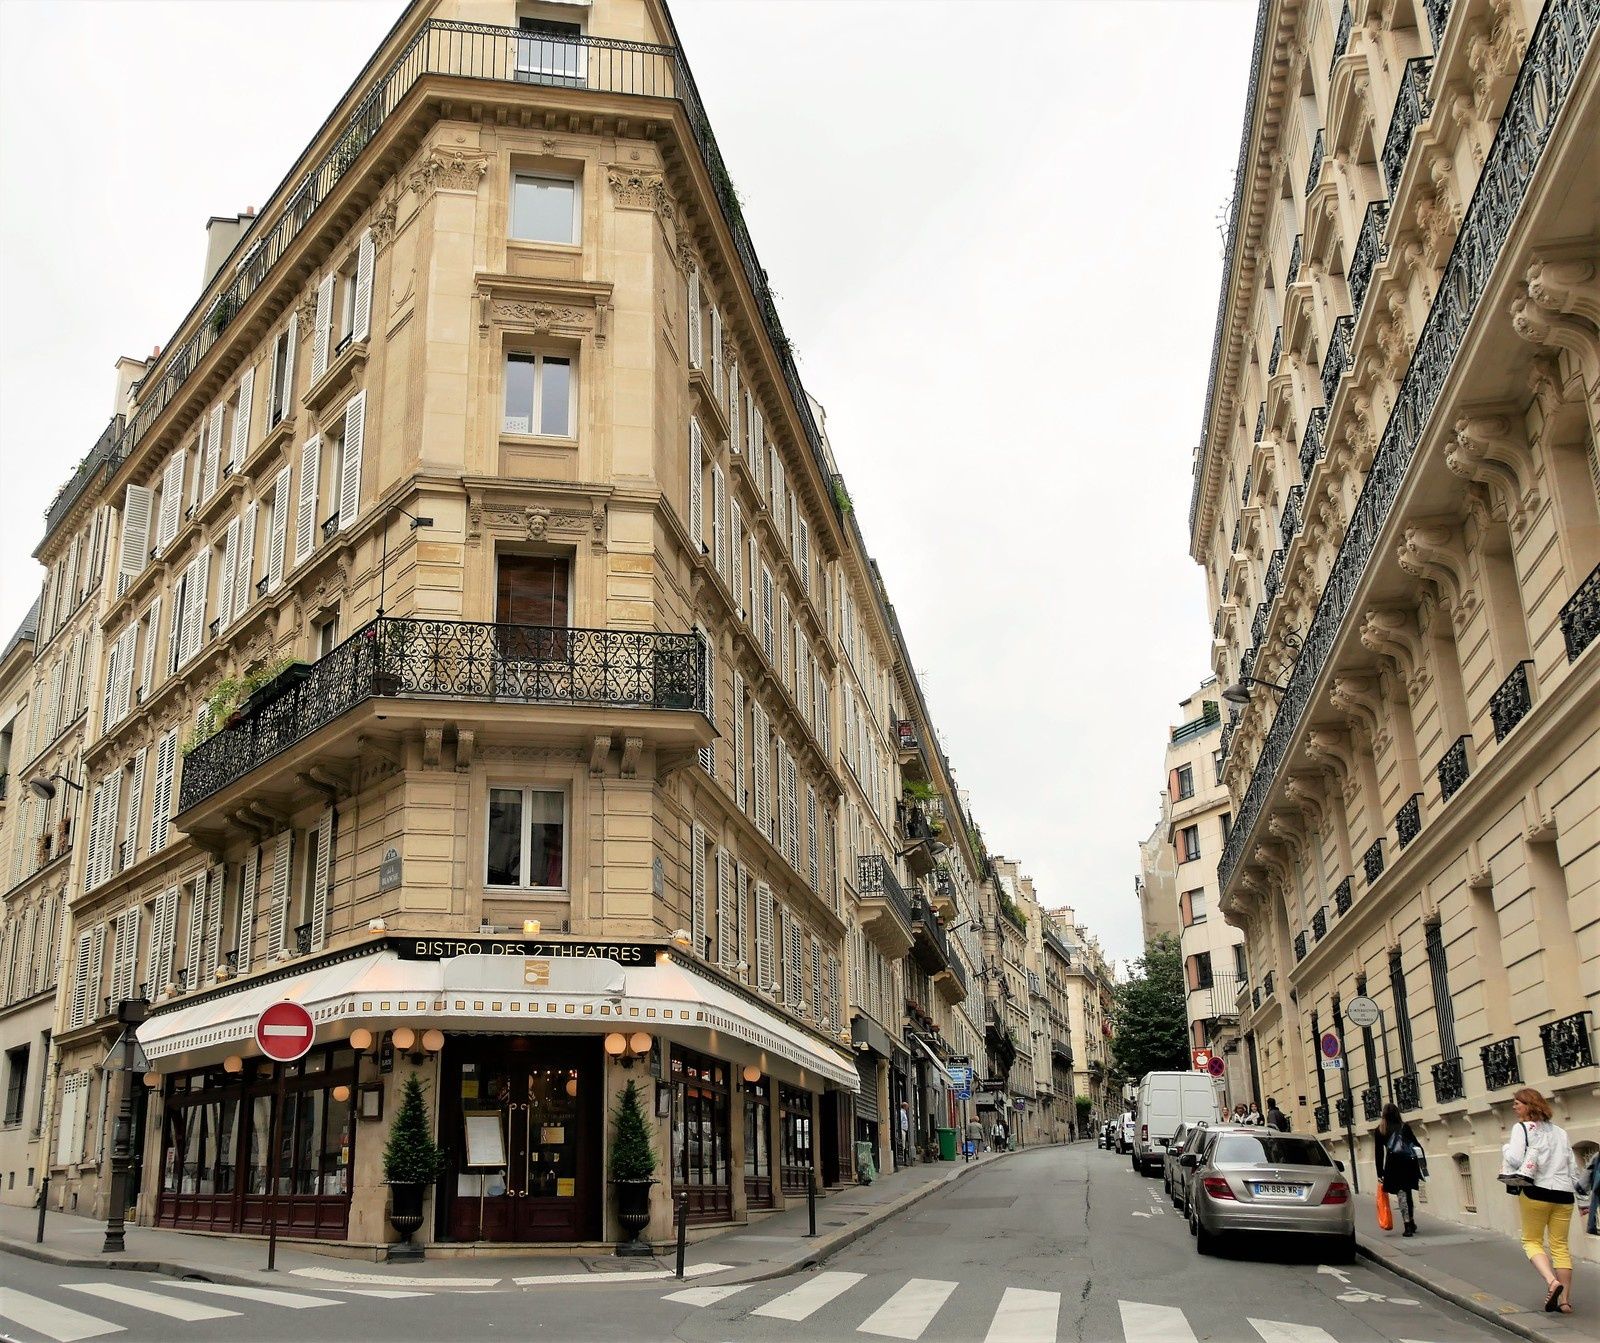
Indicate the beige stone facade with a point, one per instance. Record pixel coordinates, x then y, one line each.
1397 506
463 629
1090 995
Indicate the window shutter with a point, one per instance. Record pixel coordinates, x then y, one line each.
697 890
733 406
366 252
52 704
152 630
740 798
247 906
244 566
97 965
719 520
708 752
785 627
305 521
725 930
171 499
768 643
77 691
134 551
791 820
286 390
753 612
696 332
758 437
211 954
759 762
835 1006
163 930
80 983
741 897
161 794
108 698
130 838
779 494
811 836
225 575
716 351
129 640
764 975
126 962
213 457
192 937
803 558
697 525
782 755
355 428
820 709
194 606
322 332
97 811
319 891
1172 784
736 553
241 419
816 979
277 539
69 1124
279 917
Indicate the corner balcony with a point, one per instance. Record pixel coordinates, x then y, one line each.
931 945
885 906
398 674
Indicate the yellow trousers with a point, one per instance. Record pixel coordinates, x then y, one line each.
1539 1218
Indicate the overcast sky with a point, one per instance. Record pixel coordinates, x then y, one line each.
993 235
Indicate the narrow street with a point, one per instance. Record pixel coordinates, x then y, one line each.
1059 1243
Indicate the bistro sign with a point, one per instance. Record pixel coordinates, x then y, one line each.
447 948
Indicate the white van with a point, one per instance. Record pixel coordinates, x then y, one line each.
1165 1101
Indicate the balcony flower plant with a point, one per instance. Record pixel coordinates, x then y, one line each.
633 1168
411 1162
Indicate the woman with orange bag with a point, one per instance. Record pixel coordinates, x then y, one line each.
1398 1155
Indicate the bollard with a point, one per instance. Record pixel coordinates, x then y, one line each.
683 1230
44 1198
811 1205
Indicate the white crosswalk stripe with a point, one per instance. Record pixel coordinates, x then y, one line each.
910 1310
809 1296
705 1296
1025 1316
1145 1323
1276 1331
61 1323
151 1301
265 1295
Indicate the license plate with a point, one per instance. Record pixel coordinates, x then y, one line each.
1279 1190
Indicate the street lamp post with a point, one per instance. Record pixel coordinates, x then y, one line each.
130 1012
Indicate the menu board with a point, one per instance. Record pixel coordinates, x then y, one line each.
486 1145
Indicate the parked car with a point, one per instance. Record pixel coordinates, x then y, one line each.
1166 1100
1104 1137
1125 1133
1176 1176
1170 1170
1256 1180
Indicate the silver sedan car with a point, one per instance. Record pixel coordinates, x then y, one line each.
1258 1180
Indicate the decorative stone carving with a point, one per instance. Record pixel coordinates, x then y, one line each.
1494 52
632 748
1391 632
1491 449
432 741
383 221
1360 698
306 313
446 169
1432 551
599 753
1307 792
1540 326
466 745
640 189
1569 285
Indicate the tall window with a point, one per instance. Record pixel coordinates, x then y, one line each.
1188 843
1402 1012
526 838
1444 1010
1185 781
16 1083
532 590
544 209
550 52
538 395
1194 906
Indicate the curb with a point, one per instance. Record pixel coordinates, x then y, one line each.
165 1266
1494 1309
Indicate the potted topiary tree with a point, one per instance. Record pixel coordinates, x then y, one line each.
633 1168
411 1162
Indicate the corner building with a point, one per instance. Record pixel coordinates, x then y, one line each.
466 667
1397 505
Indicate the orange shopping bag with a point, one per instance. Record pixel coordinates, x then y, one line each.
1385 1217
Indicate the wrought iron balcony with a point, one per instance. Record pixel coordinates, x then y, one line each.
1244 491
1566 1044
1315 170
1408 820
1319 1116
1341 1110
1338 355
1342 897
1319 922
1407 1092
330 526
1448 1083
1255 997
1293 272
1438 12
1367 252
1233 545
1509 705
456 660
1289 523
1580 617
302 939
907 737
1227 583
1311 442
1261 432
1266 984
1277 352
1502 1064
1274 579
1258 623
1372 860
1372 1102
1341 36
877 883
1411 109
1454 768
1216 1000
932 944
1300 946
1555 53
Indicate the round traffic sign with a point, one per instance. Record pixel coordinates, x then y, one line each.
1216 1067
285 1031
1330 1046
1362 1011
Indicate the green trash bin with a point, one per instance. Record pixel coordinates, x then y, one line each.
947 1144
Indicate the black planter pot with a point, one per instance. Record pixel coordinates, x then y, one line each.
633 1213
405 1216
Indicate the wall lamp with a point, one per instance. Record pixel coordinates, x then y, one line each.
44 786
626 1048
1239 691
383 569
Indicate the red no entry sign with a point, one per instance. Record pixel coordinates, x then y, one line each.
285 1031
1331 1048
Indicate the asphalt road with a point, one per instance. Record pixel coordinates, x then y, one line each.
1057 1244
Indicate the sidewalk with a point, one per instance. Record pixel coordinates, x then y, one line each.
772 1245
1482 1271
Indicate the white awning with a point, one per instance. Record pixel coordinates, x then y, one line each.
932 1058
575 995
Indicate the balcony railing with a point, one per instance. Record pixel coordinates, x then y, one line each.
1509 705
1266 985
99 459
906 735
1244 489
1311 445
1502 1064
1368 251
1315 170
1338 355
1407 1092
1580 617
1261 431
1411 109
1408 820
456 660
1454 768
1341 36
1372 861
933 943
1277 352
1438 12
1556 51
1255 997
1448 1083
1289 523
1319 922
1319 1116
1566 1044
302 939
1341 1110
1372 1102
1294 261
1221 997
875 877
1342 897
1210 717
1300 946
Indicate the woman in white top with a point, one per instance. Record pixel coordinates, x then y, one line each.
1539 1149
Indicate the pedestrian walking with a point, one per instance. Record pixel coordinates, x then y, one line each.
905 1133
1398 1157
1276 1117
974 1137
1254 1115
1594 1194
1537 1164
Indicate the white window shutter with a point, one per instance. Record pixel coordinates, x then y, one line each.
211 952
816 979
366 253
322 332
134 551
319 889
78 1013
305 521
159 956
161 794
196 578
758 439
812 864
247 906
240 447
716 351
697 889
733 406
355 423
130 837
152 633
753 610
171 499
708 752
226 575
277 539
52 705
244 567
97 965
739 797
782 789
192 938
741 897
213 452
696 331
725 930
764 975
779 494
697 452
279 919
760 761
803 558
768 642
736 553
791 820
719 520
